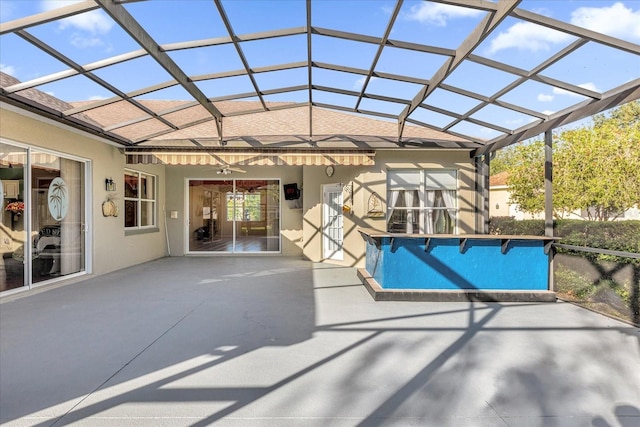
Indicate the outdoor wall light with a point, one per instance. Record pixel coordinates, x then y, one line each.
497 206
109 185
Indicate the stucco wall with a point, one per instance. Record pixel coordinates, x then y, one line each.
300 228
367 180
499 201
111 249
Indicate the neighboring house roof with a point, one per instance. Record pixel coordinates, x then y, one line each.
499 179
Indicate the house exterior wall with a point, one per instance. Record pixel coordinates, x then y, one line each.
499 196
301 228
369 179
111 248
499 202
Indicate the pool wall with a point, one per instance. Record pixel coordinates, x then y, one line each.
470 263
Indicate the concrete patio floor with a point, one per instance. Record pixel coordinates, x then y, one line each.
251 341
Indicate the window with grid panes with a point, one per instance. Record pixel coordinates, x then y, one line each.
422 201
139 200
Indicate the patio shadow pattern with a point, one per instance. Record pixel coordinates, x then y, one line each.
281 341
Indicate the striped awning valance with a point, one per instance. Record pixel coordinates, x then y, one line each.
254 159
20 158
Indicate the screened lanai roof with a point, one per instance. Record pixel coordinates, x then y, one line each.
316 75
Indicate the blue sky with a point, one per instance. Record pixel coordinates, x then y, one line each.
93 36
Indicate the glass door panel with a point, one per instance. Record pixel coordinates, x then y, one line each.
209 229
12 218
234 216
257 216
57 216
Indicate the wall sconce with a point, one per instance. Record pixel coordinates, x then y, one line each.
497 206
109 185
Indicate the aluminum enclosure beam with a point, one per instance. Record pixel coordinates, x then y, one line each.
618 96
119 14
481 32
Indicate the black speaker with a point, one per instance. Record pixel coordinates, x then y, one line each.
291 192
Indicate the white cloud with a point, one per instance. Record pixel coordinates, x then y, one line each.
543 97
548 112
8 69
51 94
95 22
96 98
438 14
357 85
528 36
589 86
616 20
84 42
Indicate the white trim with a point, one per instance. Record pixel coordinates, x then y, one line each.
139 199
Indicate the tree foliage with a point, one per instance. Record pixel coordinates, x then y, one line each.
595 168
503 160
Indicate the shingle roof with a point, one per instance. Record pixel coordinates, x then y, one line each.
42 98
498 179
334 129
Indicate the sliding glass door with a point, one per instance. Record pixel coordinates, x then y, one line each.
58 216
234 216
13 233
42 223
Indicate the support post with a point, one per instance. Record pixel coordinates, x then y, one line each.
482 164
478 191
548 184
548 198
486 170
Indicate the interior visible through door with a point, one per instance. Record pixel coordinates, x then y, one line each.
234 215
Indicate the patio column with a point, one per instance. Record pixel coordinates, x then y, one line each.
482 193
548 197
548 184
486 172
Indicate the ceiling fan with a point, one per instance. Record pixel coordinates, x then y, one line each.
227 169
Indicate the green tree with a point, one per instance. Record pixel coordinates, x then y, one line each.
596 168
503 160
526 176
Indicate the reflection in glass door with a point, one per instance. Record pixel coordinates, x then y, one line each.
234 216
12 218
58 216
42 223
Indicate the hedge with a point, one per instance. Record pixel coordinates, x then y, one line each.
613 235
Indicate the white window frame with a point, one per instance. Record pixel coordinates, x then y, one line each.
420 185
139 200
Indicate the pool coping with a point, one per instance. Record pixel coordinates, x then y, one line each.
380 294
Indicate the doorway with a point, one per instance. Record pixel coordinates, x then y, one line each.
234 216
332 222
43 216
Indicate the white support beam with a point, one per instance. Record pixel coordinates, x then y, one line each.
48 16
